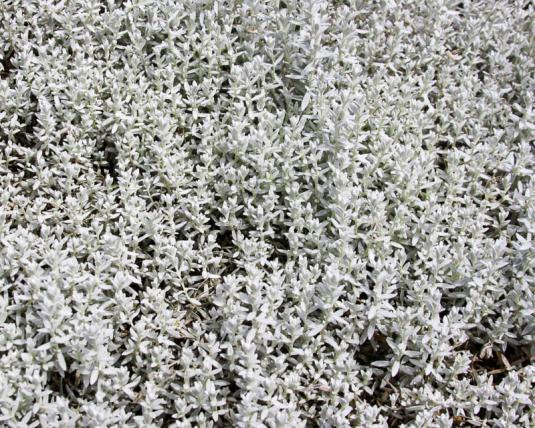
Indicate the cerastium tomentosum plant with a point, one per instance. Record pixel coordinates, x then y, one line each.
276 213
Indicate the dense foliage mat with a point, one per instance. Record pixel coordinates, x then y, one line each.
278 213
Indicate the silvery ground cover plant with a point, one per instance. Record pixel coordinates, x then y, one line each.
267 213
